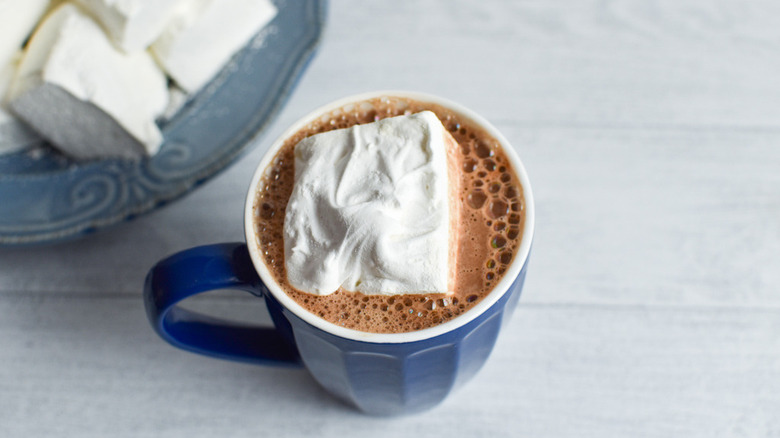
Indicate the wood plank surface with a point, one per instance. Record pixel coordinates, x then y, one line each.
75 367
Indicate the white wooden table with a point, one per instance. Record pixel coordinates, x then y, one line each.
651 132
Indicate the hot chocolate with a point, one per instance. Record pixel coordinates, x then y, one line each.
489 228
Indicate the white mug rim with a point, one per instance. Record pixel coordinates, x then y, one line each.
513 271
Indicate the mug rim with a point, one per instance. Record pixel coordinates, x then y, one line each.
499 290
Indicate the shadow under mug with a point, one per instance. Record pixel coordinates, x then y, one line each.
378 373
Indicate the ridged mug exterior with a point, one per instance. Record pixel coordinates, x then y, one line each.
398 373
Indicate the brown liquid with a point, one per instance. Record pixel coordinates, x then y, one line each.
490 225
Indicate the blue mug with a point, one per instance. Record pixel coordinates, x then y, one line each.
378 373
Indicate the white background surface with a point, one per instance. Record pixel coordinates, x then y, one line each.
651 133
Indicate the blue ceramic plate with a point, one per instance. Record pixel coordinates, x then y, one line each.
44 196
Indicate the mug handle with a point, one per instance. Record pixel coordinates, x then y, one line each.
203 269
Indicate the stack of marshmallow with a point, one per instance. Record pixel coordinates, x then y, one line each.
91 76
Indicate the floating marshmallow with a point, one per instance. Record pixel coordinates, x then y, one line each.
370 209
84 95
133 24
205 34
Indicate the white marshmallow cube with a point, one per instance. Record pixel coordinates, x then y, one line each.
132 24
370 209
17 21
205 34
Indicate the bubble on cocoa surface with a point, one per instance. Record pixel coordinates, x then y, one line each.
470 165
476 199
497 209
482 150
498 241
267 211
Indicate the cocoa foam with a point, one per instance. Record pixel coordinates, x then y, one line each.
490 224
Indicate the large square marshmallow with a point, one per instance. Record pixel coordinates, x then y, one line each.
370 209
83 94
